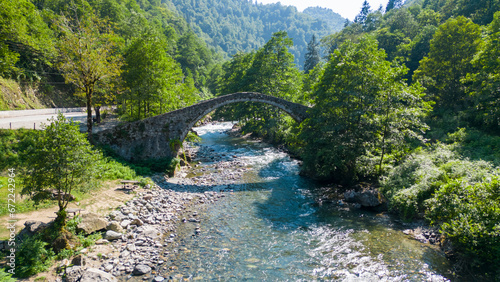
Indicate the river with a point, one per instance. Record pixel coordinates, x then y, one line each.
268 227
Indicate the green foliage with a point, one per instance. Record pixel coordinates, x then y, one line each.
469 215
88 56
270 71
23 32
442 72
33 256
312 55
486 111
154 79
410 184
61 159
5 276
362 110
193 137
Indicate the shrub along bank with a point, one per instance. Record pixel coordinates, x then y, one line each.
455 185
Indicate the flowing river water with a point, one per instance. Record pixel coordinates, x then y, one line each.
268 227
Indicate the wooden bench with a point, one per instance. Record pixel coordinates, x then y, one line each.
127 183
73 211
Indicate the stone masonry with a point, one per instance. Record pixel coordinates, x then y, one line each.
160 136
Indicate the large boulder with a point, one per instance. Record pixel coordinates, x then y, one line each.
91 222
367 197
74 273
96 275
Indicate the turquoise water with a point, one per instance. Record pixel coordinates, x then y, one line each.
271 229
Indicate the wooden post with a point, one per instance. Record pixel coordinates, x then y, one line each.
10 125
34 125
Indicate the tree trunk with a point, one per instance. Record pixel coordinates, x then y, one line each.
89 113
97 110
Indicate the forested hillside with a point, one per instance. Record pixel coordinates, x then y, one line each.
231 26
136 53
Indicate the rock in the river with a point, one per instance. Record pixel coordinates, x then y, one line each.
141 269
96 275
366 197
91 222
112 235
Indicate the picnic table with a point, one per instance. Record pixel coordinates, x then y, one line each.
73 211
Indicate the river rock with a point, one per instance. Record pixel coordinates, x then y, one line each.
141 269
137 222
73 273
112 235
96 275
78 260
90 223
149 231
367 197
125 223
114 226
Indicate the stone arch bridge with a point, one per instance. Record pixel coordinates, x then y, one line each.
160 136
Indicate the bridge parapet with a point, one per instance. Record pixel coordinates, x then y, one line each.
160 136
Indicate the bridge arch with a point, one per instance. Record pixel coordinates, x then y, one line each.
151 138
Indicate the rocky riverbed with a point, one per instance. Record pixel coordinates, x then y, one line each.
140 233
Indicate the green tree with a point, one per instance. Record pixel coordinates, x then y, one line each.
194 57
480 11
486 81
312 55
22 30
152 77
442 72
60 159
363 14
393 4
270 70
362 111
87 56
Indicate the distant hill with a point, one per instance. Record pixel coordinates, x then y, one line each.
231 26
334 20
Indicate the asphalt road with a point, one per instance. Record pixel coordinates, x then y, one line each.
35 121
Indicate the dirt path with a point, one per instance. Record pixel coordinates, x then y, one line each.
101 202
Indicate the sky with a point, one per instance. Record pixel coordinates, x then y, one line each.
346 8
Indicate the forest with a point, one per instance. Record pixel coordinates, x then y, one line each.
405 97
232 26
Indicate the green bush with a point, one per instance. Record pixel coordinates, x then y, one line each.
416 179
6 277
33 256
469 215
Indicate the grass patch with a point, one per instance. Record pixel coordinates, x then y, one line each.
23 204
